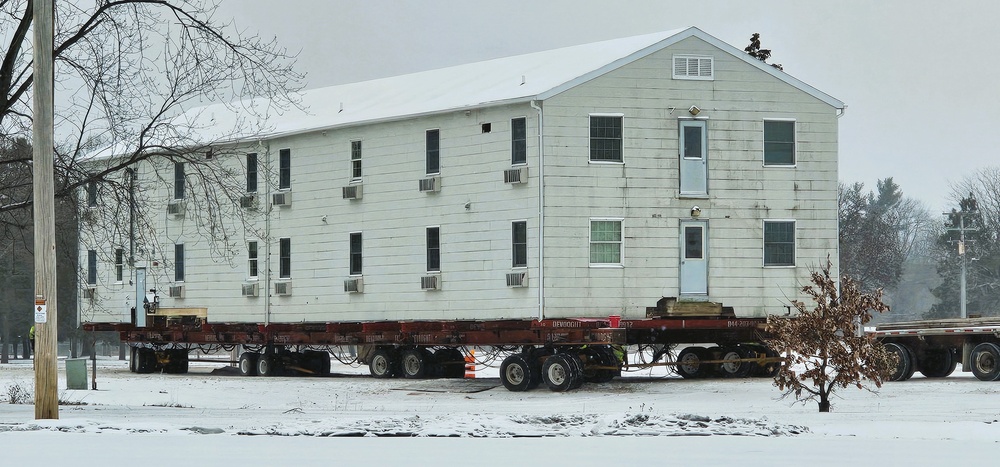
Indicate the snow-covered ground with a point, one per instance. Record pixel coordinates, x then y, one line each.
214 416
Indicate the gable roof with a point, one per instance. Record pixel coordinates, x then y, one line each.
521 78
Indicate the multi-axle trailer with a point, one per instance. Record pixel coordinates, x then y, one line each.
561 353
936 347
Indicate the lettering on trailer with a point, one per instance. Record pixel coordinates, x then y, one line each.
210 338
282 339
566 324
739 323
422 338
374 338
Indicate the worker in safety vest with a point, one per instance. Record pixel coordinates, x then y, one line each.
31 337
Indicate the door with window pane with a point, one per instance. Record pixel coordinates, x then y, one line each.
693 143
694 258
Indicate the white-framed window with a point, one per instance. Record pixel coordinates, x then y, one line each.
284 258
779 142
355 254
252 172
178 180
694 67
433 249
179 262
606 242
253 257
606 138
518 141
119 265
91 267
284 169
356 160
779 242
519 244
92 193
432 151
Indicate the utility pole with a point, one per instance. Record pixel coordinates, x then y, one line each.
962 248
43 141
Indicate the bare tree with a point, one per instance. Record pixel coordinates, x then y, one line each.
822 349
128 75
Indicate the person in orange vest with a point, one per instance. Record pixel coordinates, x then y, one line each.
31 337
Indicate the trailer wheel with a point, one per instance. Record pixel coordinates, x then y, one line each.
515 373
536 357
986 361
559 373
577 373
689 363
937 363
145 360
382 363
414 362
177 361
904 362
600 355
267 365
248 363
731 366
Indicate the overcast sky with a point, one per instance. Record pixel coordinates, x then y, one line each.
920 78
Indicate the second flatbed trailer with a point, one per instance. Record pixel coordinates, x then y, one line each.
936 347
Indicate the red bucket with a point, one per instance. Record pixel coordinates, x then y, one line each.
614 320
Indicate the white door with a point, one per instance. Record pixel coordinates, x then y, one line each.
694 258
693 157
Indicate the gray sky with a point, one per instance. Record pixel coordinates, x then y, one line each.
920 78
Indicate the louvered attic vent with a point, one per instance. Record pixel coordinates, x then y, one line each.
694 67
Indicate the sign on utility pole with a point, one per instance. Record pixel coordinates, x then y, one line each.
43 141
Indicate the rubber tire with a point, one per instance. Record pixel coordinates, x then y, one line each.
145 360
688 363
577 374
516 374
382 363
536 357
414 363
248 363
985 360
133 365
767 370
179 362
313 360
558 372
736 369
904 362
937 363
449 362
267 365
600 355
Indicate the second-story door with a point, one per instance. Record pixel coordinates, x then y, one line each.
693 145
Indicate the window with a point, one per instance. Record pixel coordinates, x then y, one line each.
779 243
178 180
91 267
518 141
606 242
694 242
356 253
92 193
433 152
179 262
252 270
519 244
433 249
779 142
284 258
694 67
605 138
119 264
284 169
252 173
356 160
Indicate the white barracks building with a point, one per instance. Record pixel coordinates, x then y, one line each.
579 182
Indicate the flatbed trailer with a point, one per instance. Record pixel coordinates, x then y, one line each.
936 347
561 353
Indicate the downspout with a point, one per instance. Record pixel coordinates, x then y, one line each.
541 210
266 270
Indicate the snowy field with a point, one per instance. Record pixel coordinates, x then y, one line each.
213 416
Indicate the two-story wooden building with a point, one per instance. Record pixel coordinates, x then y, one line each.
583 181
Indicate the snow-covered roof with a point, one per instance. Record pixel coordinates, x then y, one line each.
512 79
